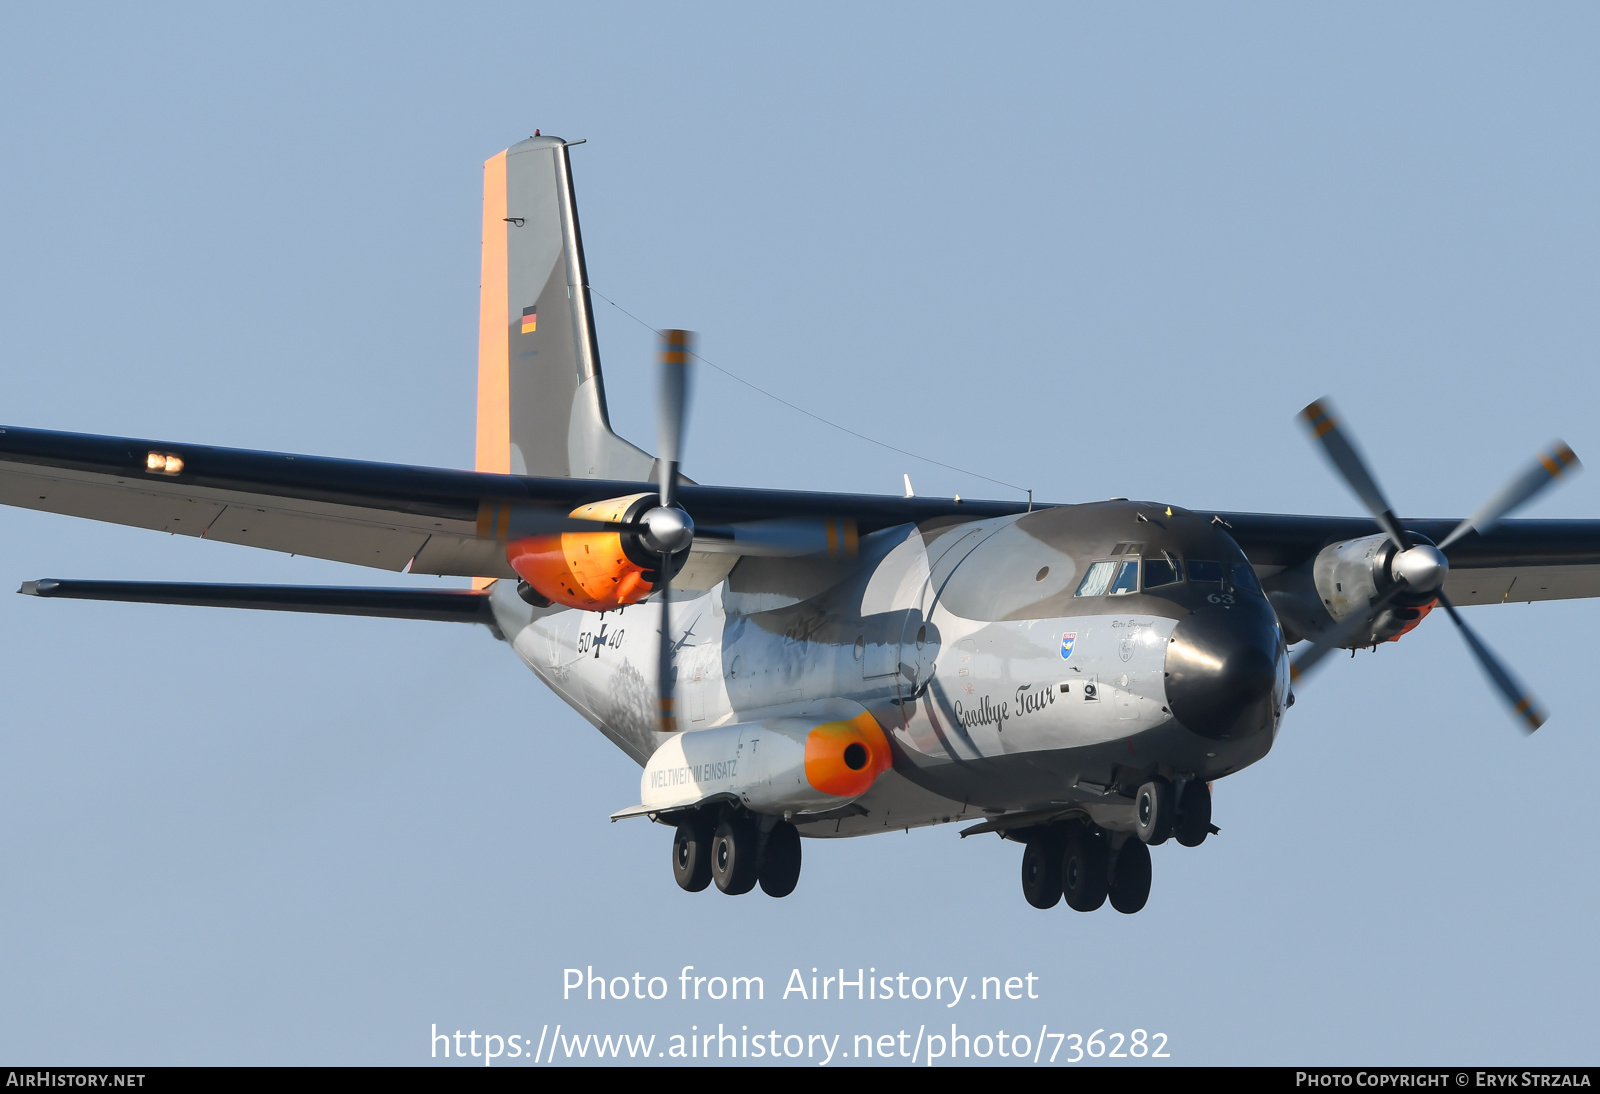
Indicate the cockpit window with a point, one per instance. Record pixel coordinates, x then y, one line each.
1110 578
1244 578
1162 571
1127 579
1097 578
1201 570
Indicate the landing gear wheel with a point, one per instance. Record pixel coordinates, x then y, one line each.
780 865
733 856
1194 814
1041 872
1084 869
691 855
1130 877
1152 804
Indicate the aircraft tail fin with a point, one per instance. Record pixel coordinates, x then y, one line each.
541 402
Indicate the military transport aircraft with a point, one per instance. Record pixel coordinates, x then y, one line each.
787 664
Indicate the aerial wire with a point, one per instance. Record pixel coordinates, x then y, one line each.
818 417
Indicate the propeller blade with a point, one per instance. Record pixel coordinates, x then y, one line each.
666 712
1526 708
1549 466
672 412
1324 425
1347 629
672 409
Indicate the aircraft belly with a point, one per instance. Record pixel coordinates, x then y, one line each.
894 804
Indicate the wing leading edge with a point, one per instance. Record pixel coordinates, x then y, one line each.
389 516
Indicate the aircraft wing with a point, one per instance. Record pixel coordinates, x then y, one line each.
1517 560
389 516
448 522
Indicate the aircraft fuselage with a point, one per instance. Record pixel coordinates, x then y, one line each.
1016 663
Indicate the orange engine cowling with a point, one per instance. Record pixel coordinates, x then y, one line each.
846 758
1413 616
594 571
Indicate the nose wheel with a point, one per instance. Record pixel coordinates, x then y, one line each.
1194 814
1152 809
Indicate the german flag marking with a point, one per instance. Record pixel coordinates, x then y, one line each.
530 320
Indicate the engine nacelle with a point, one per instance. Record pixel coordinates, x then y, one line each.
780 765
594 571
1349 575
1342 580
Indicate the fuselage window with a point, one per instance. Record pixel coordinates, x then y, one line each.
1244 578
1095 581
1162 571
1127 579
1200 570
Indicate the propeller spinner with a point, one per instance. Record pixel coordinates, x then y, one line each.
1420 567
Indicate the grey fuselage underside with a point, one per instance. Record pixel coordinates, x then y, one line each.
1000 690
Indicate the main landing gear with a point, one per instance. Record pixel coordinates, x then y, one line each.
738 851
1086 865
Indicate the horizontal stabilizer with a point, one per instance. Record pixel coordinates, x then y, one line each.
442 605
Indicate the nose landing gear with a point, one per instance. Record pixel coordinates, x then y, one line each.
1194 814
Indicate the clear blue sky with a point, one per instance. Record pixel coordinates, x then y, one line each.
1093 250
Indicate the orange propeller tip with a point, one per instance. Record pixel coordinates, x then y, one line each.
1319 418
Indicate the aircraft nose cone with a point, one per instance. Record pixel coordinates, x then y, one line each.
1222 666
